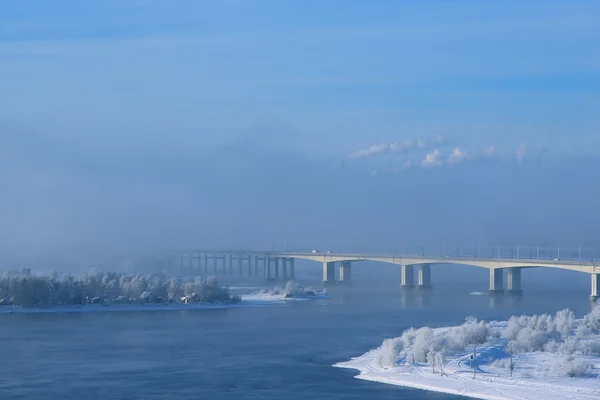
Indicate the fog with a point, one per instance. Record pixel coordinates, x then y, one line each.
60 198
194 126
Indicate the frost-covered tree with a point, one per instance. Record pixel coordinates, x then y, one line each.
423 343
564 323
559 334
431 359
440 359
471 332
22 288
389 352
592 320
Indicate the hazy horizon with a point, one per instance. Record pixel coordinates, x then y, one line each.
142 126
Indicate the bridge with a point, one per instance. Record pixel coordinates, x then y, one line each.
275 265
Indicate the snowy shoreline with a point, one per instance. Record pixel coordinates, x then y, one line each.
247 300
564 367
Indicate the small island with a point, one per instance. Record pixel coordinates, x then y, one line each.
23 289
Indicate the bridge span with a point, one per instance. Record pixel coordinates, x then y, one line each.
275 265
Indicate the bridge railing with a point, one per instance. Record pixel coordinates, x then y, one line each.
583 253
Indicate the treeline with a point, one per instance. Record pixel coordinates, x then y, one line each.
22 288
573 339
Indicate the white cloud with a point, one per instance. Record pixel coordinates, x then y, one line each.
404 146
370 151
432 159
458 155
406 165
399 147
521 151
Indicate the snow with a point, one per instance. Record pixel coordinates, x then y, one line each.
281 298
563 363
263 297
292 292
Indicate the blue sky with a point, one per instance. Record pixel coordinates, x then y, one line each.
344 74
98 91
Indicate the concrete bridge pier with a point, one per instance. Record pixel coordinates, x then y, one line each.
514 282
496 281
206 263
267 268
182 264
230 264
256 260
595 287
214 265
284 271
224 264
424 277
328 273
292 272
345 272
249 266
199 264
407 277
276 261
240 262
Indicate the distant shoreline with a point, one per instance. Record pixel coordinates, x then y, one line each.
249 300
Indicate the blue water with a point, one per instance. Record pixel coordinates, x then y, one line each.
277 351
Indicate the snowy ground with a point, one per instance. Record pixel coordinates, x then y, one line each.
534 376
278 298
291 292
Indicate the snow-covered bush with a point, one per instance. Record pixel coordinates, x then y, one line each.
501 363
590 347
570 367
